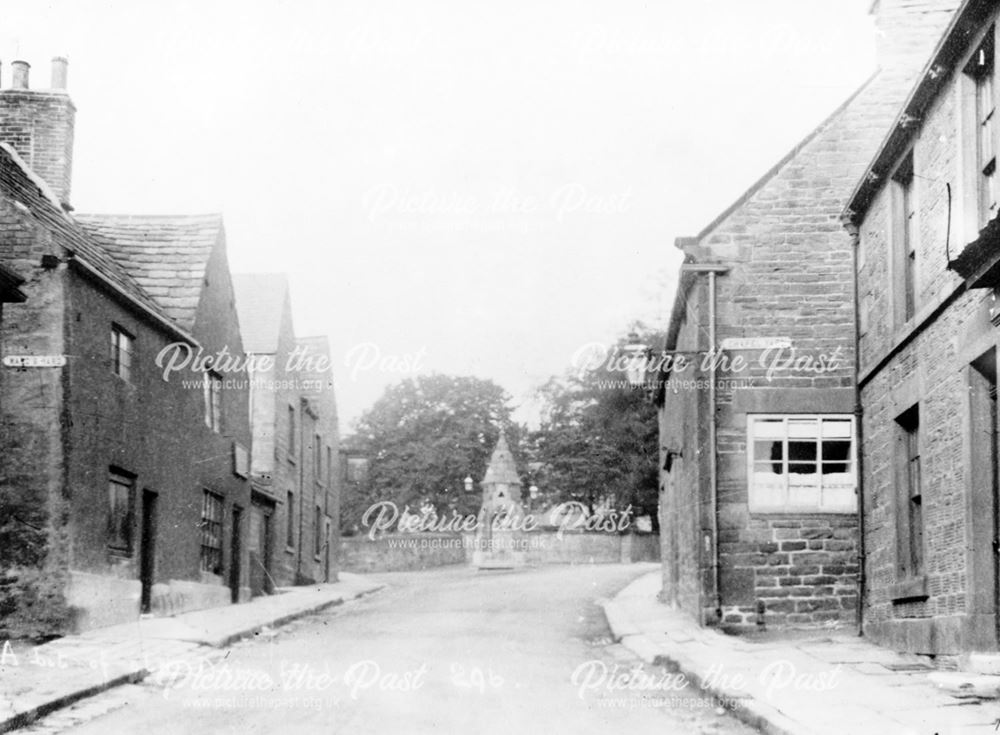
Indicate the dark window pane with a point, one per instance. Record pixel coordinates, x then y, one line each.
802 468
801 451
836 450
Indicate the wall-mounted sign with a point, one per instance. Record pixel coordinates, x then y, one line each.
26 361
755 343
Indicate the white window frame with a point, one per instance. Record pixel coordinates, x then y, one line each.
838 498
212 400
122 352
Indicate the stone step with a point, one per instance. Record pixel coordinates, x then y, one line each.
964 684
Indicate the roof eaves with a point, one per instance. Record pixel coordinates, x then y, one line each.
172 327
37 180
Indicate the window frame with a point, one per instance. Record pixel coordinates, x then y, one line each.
213 506
118 479
290 434
972 214
318 532
911 555
756 503
212 400
119 366
318 459
905 238
290 520
980 68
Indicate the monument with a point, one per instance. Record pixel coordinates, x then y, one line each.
500 542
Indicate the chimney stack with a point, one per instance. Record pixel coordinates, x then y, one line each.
38 124
59 68
21 69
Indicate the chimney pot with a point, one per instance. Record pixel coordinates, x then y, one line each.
59 67
20 68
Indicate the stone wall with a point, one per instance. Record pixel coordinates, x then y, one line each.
549 547
401 552
789 276
794 570
34 542
950 606
413 552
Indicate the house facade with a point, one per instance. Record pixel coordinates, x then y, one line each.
123 483
758 438
928 244
295 509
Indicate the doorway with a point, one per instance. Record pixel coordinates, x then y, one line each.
261 581
147 551
235 554
984 490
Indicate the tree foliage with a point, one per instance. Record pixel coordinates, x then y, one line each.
597 443
423 437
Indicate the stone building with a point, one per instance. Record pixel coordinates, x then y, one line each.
924 217
124 484
758 510
295 509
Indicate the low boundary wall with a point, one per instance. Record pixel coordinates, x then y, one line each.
401 552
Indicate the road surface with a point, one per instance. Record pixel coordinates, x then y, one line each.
452 650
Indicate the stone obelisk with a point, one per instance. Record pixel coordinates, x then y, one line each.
500 536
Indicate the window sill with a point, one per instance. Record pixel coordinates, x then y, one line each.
289 549
910 589
785 511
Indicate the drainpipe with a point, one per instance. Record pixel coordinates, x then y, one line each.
852 230
302 484
713 475
713 471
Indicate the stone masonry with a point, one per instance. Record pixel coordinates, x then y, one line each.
789 276
939 362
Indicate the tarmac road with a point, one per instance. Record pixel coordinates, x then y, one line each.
452 650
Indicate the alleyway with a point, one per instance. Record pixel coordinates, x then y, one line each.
445 651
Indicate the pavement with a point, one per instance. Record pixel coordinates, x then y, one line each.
38 680
819 681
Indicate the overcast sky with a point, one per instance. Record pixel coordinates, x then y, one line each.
480 187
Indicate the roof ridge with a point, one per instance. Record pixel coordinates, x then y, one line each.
38 202
140 215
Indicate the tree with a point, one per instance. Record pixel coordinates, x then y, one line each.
424 436
598 443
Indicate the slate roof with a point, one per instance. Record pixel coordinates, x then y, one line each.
166 255
260 302
36 200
